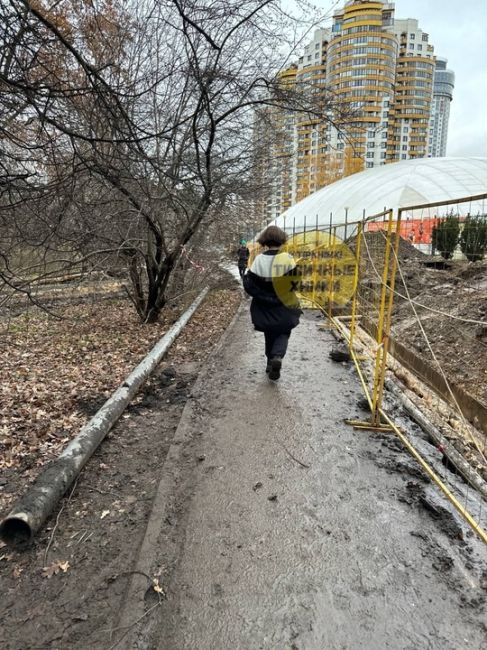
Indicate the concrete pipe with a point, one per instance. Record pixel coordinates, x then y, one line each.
32 510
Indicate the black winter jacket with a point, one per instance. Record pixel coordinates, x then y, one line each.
267 311
243 255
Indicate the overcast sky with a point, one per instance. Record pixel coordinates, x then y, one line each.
458 31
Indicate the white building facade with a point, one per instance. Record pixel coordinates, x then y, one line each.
444 84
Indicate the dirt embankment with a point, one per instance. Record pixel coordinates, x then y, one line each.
450 302
440 316
452 306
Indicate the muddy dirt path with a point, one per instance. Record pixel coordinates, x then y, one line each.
290 530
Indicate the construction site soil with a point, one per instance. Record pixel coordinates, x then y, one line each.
440 311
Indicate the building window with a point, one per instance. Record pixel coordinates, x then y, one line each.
404 157
383 154
370 154
425 37
411 46
370 164
413 36
404 147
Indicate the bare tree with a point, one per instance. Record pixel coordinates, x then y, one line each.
127 127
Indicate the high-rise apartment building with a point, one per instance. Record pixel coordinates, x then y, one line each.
277 162
310 164
376 74
361 72
414 87
440 115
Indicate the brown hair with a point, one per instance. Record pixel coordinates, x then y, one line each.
272 236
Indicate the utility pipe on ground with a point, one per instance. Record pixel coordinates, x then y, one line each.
32 510
456 459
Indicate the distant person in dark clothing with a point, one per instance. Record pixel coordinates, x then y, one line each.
243 257
268 312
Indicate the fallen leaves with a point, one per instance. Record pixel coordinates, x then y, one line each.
157 587
51 385
57 374
55 568
17 570
104 514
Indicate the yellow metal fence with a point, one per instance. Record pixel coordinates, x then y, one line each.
370 275
387 263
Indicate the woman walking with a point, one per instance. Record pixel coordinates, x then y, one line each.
269 313
243 255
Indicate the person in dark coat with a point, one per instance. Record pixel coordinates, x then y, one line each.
243 255
270 315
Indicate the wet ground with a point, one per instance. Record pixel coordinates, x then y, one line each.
288 529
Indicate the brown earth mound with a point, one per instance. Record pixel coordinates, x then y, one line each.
450 303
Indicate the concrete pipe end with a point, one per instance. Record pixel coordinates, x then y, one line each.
15 531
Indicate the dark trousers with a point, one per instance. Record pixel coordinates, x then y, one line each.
241 270
276 344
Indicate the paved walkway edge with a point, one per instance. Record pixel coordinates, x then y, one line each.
134 606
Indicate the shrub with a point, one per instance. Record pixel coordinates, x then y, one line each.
444 236
473 238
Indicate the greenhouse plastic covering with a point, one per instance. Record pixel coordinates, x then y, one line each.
398 185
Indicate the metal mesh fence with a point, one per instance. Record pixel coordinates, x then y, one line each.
409 292
418 306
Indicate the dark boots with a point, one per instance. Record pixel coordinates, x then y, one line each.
274 366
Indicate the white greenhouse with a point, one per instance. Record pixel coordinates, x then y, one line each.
393 186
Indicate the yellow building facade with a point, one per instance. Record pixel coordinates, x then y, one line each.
372 76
